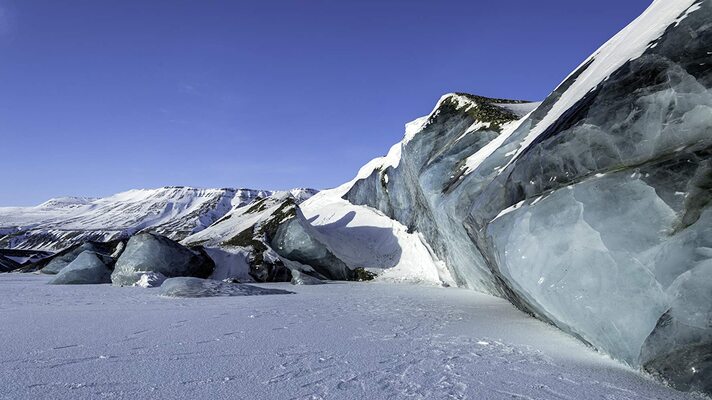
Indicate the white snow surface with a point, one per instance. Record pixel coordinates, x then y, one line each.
363 236
345 341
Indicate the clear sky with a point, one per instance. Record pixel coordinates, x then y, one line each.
98 97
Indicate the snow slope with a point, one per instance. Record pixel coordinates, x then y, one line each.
346 341
365 237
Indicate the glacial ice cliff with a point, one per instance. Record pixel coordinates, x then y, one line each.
592 212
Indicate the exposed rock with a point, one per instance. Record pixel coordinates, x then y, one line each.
7 265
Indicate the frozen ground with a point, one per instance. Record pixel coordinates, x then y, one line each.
357 340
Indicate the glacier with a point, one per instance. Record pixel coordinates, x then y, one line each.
591 212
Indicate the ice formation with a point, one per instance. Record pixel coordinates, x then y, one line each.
592 212
147 252
196 287
88 268
59 261
7 264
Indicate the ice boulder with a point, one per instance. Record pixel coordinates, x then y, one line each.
296 240
196 287
88 268
60 260
300 278
147 252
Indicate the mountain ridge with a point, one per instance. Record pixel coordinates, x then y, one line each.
173 211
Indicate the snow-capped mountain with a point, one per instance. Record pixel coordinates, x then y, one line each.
175 212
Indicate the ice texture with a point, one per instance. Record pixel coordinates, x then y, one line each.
562 254
196 287
424 188
680 347
598 223
147 252
88 268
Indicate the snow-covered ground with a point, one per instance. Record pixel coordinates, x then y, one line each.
342 340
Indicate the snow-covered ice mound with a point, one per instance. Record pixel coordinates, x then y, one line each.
88 268
196 287
147 252
243 236
56 263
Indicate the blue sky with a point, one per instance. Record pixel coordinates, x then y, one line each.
98 97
